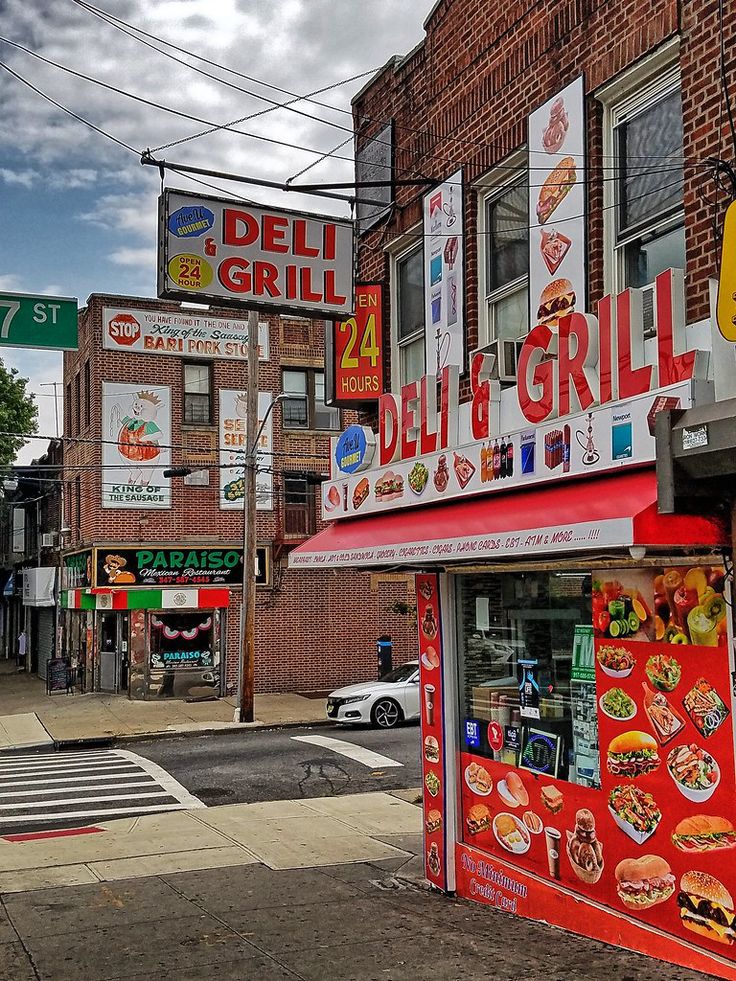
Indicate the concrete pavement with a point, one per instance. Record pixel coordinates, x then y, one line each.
30 717
280 834
354 922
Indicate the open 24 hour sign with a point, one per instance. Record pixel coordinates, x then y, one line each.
354 356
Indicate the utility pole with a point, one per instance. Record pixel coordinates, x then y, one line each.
248 615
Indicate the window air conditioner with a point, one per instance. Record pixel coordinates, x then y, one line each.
48 539
507 354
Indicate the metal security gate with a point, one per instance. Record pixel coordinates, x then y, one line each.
44 639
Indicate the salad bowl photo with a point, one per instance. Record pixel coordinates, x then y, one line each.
694 771
616 661
617 705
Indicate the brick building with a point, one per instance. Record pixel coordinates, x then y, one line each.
135 535
461 99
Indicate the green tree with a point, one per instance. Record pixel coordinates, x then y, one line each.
18 413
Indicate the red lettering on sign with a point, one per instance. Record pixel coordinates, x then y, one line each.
233 276
273 234
578 354
233 219
388 429
538 371
669 289
427 410
480 384
631 381
266 277
409 395
330 296
607 339
299 240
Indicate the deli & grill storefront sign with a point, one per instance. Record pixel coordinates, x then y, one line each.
238 254
156 566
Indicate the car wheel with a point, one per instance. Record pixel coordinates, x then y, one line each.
386 714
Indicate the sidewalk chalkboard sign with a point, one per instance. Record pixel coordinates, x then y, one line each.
57 675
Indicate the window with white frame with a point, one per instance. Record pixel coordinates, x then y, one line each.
408 271
504 244
646 143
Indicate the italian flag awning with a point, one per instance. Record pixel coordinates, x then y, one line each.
145 599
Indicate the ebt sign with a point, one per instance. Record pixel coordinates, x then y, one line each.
589 360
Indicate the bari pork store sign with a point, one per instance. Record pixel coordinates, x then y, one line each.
227 252
179 333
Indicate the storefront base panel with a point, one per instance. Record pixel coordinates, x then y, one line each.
485 879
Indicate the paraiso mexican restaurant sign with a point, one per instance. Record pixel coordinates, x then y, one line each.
223 251
585 401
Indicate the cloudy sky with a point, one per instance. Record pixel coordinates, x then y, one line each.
78 211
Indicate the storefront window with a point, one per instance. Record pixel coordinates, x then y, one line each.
517 635
183 654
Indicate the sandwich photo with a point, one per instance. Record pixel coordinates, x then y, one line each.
632 754
478 819
552 799
362 489
704 833
557 300
555 189
431 750
433 821
513 791
645 881
389 487
706 907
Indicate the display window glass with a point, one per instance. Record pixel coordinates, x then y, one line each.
517 634
183 653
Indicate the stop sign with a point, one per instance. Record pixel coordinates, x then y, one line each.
124 329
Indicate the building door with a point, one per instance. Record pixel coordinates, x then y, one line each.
113 652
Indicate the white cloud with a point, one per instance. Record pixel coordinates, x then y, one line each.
144 258
23 178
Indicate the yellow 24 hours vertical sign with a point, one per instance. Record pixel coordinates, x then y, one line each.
726 309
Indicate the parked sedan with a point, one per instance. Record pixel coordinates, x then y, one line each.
383 703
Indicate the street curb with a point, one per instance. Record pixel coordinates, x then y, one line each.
243 727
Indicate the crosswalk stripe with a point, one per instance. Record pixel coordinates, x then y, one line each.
24 783
81 800
40 768
71 789
358 753
31 759
110 815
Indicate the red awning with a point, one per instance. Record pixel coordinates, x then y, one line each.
592 515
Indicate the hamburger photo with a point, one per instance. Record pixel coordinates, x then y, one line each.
704 833
706 907
632 754
433 821
643 882
478 819
557 300
431 750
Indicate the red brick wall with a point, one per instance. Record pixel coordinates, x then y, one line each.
462 98
315 630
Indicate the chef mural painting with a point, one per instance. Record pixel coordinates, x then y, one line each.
136 447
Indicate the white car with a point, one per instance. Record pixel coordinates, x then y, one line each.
383 703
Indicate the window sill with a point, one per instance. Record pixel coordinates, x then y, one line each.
199 427
324 433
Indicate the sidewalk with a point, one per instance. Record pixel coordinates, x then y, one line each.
289 834
143 911
30 717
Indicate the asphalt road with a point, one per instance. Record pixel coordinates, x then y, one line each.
272 764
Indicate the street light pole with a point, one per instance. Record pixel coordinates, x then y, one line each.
248 620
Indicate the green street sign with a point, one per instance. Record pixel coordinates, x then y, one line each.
38 321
